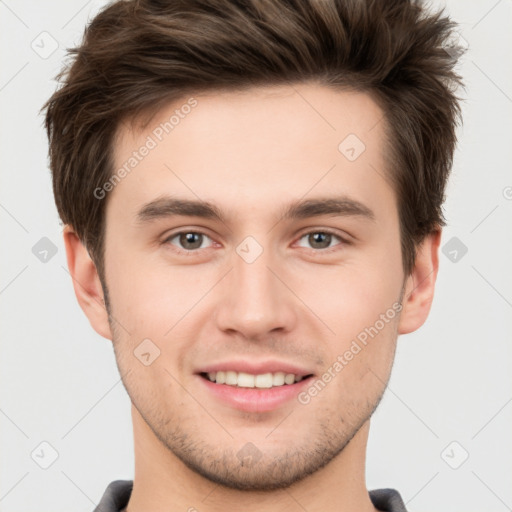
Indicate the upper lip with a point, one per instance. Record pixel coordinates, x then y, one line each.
256 368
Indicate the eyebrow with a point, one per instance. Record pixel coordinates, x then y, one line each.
165 207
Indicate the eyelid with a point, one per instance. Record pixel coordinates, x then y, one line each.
331 231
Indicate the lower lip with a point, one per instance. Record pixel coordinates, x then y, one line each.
255 399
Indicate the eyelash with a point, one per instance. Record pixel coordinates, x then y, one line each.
194 252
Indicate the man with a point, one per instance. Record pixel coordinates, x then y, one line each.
252 193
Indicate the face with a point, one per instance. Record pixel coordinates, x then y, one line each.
292 267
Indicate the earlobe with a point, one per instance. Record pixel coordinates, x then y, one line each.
86 283
420 285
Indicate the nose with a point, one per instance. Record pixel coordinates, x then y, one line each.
255 300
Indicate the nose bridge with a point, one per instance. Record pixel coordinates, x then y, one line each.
255 301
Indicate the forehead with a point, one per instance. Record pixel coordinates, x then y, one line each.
264 145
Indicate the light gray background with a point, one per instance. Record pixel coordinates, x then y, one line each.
451 380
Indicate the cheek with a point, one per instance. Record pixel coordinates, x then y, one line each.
358 302
159 304
351 297
151 299
359 355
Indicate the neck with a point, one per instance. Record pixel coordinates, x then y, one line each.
162 482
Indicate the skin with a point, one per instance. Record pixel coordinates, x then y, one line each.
252 153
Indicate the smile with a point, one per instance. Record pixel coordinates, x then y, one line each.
247 380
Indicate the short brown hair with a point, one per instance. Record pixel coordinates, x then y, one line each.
137 55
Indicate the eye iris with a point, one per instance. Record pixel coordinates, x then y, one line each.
194 239
315 238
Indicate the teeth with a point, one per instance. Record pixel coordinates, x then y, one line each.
278 379
247 380
231 378
262 381
289 378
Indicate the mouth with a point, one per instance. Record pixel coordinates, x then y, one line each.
256 393
247 380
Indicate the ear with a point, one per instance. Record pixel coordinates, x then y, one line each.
420 284
86 282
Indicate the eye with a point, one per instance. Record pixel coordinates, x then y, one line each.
192 241
188 241
321 239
